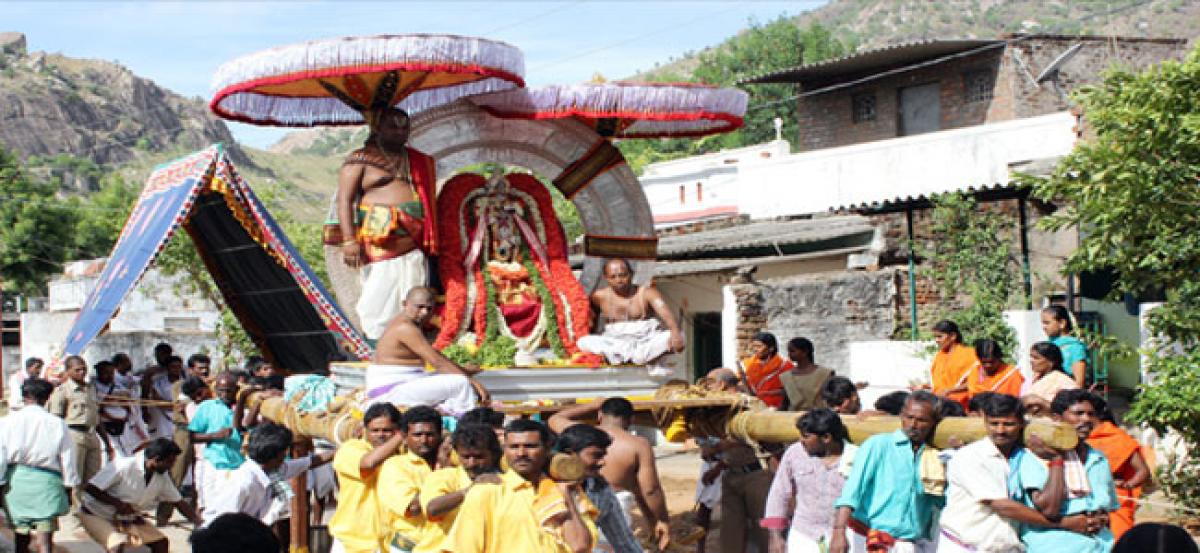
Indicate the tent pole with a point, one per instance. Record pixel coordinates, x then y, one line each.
912 274
1025 267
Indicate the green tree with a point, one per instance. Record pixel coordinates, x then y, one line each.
101 215
970 262
35 229
760 49
1132 190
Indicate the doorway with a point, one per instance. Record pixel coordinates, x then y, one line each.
706 343
920 109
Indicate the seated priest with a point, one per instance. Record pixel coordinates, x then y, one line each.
397 373
631 332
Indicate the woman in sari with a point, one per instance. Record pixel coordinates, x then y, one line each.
992 374
1046 361
1130 464
1056 323
802 385
763 367
953 361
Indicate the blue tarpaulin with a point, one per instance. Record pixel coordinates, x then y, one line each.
274 294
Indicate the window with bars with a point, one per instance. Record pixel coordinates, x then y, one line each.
978 85
863 107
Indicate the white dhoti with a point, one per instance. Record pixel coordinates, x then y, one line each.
401 385
708 495
626 500
637 342
384 285
800 543
210 481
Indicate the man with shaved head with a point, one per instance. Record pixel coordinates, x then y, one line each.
397 373
631 333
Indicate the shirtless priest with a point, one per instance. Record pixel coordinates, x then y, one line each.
631 333
384 226
397 373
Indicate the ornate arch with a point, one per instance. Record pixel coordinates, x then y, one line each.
459 134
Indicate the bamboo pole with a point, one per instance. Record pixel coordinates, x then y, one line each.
337 425
780 427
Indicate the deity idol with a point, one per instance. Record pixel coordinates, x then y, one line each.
505 270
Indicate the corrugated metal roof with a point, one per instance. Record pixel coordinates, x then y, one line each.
867 61
984 192
700 266
778 237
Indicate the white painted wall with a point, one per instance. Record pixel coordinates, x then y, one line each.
709 182
729 319
159 305
888 366
912 166
765 181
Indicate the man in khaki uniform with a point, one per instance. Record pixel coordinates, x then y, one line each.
76 402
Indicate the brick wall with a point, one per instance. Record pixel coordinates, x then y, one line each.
1097 55
825 120
831 309
1047 252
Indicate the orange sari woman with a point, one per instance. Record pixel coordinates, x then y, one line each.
763 368
952 362
1130 471
992 374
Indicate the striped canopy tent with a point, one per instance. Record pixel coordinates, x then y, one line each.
343 81
627 110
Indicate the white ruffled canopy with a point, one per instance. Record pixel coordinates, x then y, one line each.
632 110
290 85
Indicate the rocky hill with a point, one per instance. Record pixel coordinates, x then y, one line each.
875 23
97 114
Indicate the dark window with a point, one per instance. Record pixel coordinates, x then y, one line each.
978 85
863 106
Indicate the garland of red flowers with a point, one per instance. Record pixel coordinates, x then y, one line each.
450 262
454 276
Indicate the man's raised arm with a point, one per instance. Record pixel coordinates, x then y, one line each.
573 415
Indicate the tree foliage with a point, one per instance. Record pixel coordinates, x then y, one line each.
760 49
971 264
36 229
1132 190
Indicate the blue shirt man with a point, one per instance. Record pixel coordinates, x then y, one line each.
213 416
1089 487
884 490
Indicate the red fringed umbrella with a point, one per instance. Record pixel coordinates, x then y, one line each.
627 110
343 81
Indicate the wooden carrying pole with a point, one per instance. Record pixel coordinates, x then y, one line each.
725 413
780 427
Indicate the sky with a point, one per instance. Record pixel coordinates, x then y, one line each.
180 45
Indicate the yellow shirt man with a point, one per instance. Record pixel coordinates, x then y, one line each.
508 517
400 481
439 483
358 523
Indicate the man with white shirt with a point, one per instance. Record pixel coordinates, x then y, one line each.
115 498
264 476
983 508
37 464
33 369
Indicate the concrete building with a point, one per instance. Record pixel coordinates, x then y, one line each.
160 309
880 132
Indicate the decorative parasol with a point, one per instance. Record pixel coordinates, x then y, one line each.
627 110
343 81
